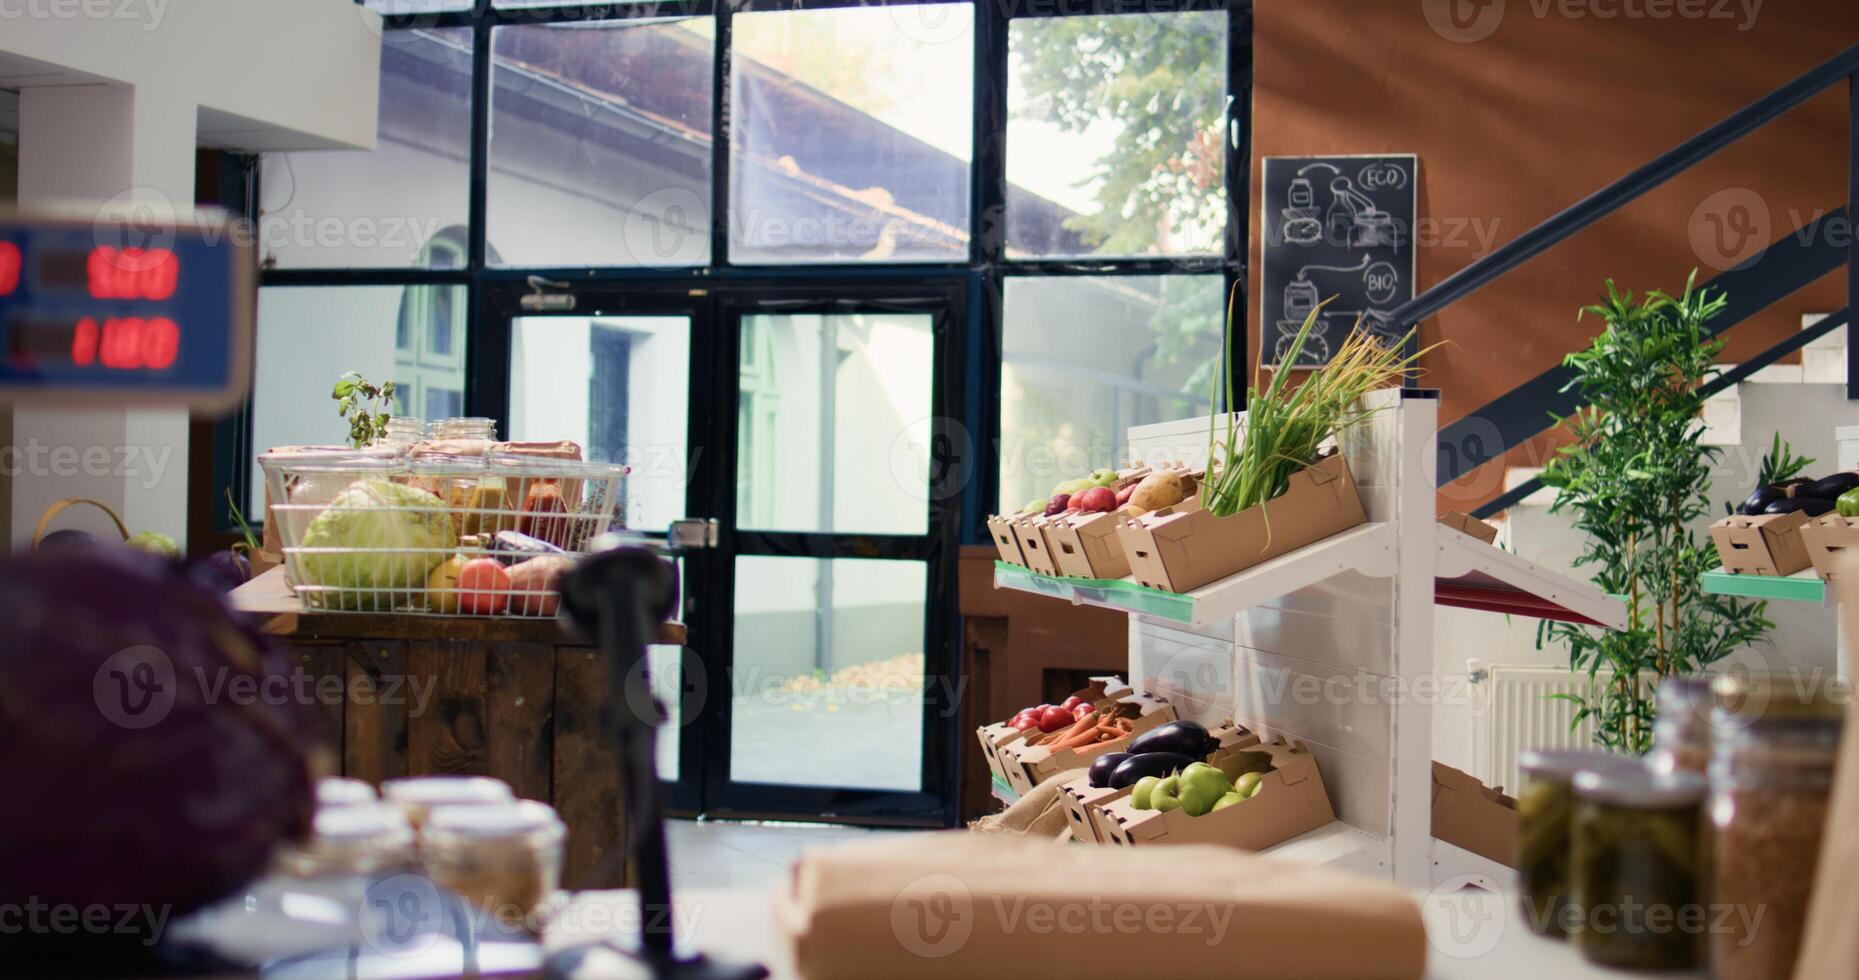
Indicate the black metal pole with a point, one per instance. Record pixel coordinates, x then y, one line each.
1852 235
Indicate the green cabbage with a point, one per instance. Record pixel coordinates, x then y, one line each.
398 533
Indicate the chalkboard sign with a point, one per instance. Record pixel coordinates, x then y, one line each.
1334 226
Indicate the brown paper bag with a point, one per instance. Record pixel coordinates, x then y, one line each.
982 905
1830 947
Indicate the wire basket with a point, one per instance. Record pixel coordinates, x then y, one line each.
437 535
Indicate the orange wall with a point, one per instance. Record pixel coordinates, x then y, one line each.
1514 126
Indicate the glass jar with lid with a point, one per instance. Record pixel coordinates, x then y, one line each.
1681 735
1546 816
446 430
335 791
360 839
505 860
1771 780
1636 873
419 795
403 431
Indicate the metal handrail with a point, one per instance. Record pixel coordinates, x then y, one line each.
1722 382
1624 191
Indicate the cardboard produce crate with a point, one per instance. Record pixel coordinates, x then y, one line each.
1027 764
1466 523
1469 814
1031 533
1087 546
1291 802
1178 549
998 735
1005 540
1824 539
1081 800
1765 544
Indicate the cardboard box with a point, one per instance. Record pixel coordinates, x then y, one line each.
1466 523
1469 814
1291 801
1828 541
1087 546
1082 800
1005 541
997 736
1031 533
1766 544
1027 765
1179 549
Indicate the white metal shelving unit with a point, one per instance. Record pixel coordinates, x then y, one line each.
1332 645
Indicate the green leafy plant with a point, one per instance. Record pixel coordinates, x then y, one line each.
1286 425
1635 479
1778 464
364 405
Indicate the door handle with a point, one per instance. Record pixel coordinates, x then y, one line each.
692 534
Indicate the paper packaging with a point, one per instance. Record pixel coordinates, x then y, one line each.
1825 539
1467 524
1031 533
1765 544
1178 550
1087 546
1291 801
983 905
994 737
1082 800
1005 541
1029 765
1471 815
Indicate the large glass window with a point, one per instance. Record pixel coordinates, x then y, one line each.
600 144
851 134
382 208
1114 135
1087 357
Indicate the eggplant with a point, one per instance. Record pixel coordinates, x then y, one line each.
511 547
1759 501
1099 775
1830 487
1147 764
1180 737
1811 506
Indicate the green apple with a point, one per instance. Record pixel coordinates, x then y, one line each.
1228 800
1034 507
1072 486
1103 478
1139 793
1201 787
1248 783
1166 794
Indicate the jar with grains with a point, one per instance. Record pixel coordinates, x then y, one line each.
1681 735
1635 876
504 860
358 839
454 480
419 795
1771 780
1546 813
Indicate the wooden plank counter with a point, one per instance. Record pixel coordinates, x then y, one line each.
513 698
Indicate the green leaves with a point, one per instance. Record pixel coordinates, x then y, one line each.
1634 479
360 401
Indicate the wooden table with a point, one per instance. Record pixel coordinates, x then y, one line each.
413 695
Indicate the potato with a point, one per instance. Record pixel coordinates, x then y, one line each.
539 575
1158 490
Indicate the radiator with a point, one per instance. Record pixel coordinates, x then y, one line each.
1512 713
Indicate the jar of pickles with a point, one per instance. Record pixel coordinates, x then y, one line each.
505 860
1635 873
1681 737
1546 814
1771 779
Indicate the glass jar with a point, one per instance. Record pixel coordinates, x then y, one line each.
334 792
1681 735
454 480
504 860
403 431
362 839
1771 779
1635 873
446 430
419 795
1546 814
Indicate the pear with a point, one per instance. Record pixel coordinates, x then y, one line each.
1228 800
1139 794
1166 794
1248 783
1201 787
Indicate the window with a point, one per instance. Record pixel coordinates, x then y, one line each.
851 134
1114 135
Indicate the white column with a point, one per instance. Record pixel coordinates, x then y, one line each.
93 147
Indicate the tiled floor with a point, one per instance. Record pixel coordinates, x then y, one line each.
712 854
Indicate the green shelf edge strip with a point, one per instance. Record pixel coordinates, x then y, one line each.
1114 593
1001 788
1800 587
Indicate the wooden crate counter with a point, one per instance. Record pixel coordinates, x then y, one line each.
512 698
